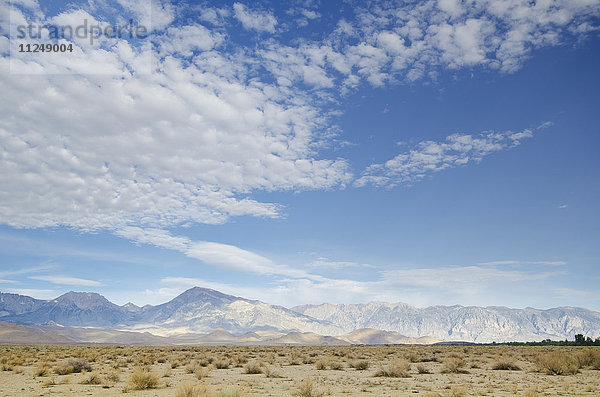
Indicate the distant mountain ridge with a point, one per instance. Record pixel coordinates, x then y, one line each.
461 323
196 310
202 311
82 309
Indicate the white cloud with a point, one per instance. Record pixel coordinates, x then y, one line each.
194 140
470 284
229 256
429 157
223 256
513 262
44 294
386 43
66 280
26 270
459 279
215 16
157 237
261 21
329 264
310 14
187 39
188 143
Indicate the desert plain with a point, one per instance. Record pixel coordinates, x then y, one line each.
358 370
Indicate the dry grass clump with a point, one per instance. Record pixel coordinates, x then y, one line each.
360 365
422 369
336 365
558 363
142 378
307 389
191 367
270 372
221 364
113 376
590 358
73 365
231 392
189 389
321 364
92 379
330 363
7 367
295 358
201 373
398 369
253 368
41 370
506 365
454 365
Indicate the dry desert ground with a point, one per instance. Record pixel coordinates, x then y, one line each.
299 371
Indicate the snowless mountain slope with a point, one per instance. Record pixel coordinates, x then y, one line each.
459 323
201 310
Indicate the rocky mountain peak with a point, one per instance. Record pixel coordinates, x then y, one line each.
83 300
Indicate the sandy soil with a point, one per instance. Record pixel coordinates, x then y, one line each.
420 371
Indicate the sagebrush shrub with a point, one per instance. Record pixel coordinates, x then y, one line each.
307 389
188 389
506 365
454 365
142 378
398 369
558 363
253 368
360 365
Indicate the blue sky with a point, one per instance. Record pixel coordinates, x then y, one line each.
436 152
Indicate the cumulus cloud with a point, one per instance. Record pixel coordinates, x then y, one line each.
406 41
193 140
261 21
187 143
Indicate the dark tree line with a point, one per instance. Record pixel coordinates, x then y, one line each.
580 340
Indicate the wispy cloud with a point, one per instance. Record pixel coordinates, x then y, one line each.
225 256
461 279
329 264
429 157
66 280
26 270
469 284
513 262
566 292
35 293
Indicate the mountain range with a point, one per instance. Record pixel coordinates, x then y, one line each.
201 315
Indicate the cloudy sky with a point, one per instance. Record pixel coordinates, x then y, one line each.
430 152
